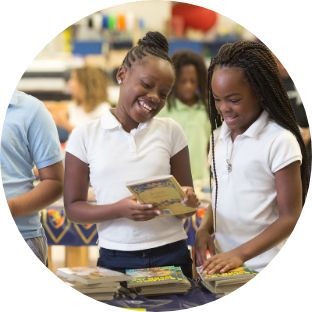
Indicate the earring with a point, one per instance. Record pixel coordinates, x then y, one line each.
119 81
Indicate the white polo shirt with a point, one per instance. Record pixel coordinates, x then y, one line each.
247 199
116 157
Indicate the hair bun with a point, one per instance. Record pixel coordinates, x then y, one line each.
155 39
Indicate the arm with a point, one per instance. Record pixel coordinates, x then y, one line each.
203 239
306 136
77 208
289 199
44 194
181 170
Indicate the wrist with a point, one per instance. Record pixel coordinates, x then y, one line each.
244 255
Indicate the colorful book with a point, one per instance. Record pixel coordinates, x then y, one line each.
241 273
163 192
152 276
92 275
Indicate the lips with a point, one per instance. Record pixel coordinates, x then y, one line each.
146 107
229 119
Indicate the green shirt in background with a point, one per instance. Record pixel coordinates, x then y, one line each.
196 126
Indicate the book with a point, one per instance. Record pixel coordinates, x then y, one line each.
92 275
111 287
157 281
242 273
152 276
163 192
221 283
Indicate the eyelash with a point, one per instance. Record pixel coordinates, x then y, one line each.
145 85
232 101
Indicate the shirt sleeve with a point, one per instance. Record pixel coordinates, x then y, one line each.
76 144
284 150
178 138
44 143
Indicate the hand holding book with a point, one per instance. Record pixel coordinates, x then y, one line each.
190 200
131 209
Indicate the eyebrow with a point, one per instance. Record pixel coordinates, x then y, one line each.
229 95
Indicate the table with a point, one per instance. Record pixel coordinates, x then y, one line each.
198 295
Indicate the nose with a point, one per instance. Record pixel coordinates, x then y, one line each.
154 97
223 107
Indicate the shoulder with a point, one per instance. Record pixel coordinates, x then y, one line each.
87 128
274 131
29 102
166 123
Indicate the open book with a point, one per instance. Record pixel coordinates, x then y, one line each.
163 192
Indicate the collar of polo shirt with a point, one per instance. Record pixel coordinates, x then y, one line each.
109 121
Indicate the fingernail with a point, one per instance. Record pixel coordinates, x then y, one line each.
204 272
210 272
149 206
222 271
158 212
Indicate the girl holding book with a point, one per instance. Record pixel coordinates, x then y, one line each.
129 143
258 158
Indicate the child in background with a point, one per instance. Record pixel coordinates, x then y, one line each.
258 158
88 88
29 138
130 143
186 105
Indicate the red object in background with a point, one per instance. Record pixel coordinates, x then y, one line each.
177 25
195 16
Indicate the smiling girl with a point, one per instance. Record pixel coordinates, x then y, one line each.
258 159
129 143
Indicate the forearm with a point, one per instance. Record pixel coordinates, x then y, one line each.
207 222
270 237
41 196
85 213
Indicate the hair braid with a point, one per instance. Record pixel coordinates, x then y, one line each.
262 73
154 43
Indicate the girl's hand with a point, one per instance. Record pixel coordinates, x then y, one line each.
203 242
190 198
129 208
223 262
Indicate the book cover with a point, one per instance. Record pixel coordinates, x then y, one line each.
92 275
152 276
239 273
163 192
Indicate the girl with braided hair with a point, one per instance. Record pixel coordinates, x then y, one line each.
186 105
258 160
130 143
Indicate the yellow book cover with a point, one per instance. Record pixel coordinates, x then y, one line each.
163 192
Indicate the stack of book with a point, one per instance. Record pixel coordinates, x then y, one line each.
224 283
158 281
96 282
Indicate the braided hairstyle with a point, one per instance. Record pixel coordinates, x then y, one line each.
261 72
188 57
154 44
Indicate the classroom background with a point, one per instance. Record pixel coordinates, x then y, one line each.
101 40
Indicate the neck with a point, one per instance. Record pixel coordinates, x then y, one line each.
189 102
127 123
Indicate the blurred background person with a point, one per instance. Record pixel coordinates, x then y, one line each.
186 105
297 105
88 89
